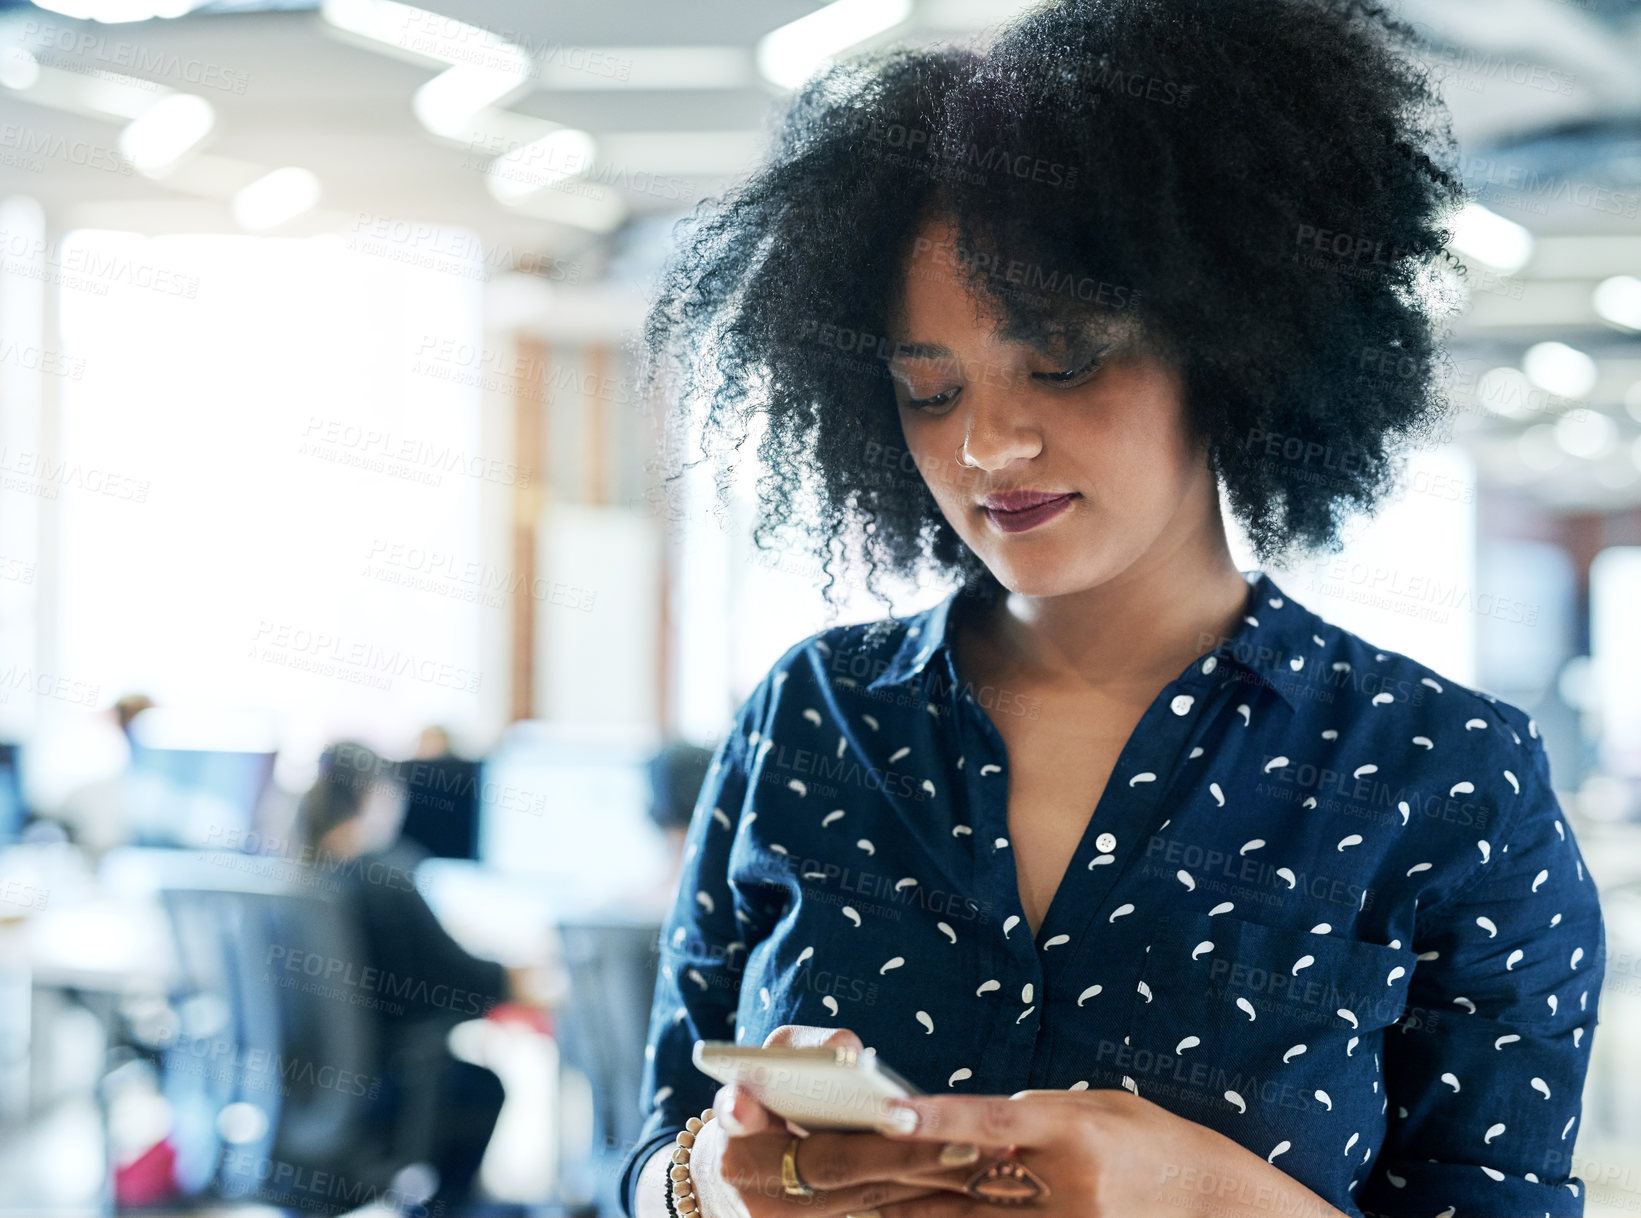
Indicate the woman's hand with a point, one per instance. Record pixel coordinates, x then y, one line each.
735 1163
1102 1154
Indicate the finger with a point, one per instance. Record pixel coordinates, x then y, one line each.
937 1205
1069 1097
812 1036
838 1160
741 1113
985 1120
856 1199
954 1179
758 1178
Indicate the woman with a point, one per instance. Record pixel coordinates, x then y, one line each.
1166 890
434 1116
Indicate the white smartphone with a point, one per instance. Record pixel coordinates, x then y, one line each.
816 1088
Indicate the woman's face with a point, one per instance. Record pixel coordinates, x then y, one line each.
1079 465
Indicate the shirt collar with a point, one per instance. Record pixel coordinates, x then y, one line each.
1274 633
926 633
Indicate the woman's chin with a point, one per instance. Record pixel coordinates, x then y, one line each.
1052 573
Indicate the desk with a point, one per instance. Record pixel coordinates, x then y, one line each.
107 944
59 932
501 917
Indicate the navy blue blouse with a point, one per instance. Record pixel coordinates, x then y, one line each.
1327 905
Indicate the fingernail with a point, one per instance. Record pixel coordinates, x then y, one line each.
902 1118
725 1115
958 1154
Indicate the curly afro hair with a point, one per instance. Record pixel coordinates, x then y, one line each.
1261 184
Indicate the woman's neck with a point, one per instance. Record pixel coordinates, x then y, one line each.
1140 627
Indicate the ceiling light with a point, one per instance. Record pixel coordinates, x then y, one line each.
423 33
157 138
111 12
1619 300
484 67
275 198
526 169
1488 237
1505 391
1585 433
1538 449
1560 369
446 104
660 67
383 21
798 50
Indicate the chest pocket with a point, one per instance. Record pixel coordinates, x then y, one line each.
1269 1035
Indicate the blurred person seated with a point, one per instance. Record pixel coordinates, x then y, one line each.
121 808
434 1112
677 774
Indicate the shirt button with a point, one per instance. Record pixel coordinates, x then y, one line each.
1182 704
1105 843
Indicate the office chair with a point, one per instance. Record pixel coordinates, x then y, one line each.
261 1036
602 1030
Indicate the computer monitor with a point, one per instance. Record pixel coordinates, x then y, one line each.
195 797
572 813
197 776
442 806
11 795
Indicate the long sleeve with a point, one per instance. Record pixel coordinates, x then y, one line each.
1486 1074
425 972
702 951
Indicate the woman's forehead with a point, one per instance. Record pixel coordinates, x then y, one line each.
920 333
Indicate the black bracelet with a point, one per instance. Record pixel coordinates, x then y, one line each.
672 1210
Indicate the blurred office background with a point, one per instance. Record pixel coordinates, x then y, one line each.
317 423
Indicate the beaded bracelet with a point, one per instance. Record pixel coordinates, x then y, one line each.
681 1199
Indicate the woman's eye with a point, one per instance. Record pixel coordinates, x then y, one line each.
933 403
1075 375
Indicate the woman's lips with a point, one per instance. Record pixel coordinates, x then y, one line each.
1033 510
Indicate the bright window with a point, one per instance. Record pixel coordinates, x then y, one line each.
272 481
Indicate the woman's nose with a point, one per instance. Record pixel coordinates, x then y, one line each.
999 432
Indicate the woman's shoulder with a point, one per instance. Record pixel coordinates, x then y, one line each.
1388 709
1459 774
856 654
1411 688
854 668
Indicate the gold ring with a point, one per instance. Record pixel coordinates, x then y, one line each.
791 1181
1006 1182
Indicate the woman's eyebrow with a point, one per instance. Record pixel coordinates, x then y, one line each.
921 351
1051 345
1082 332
